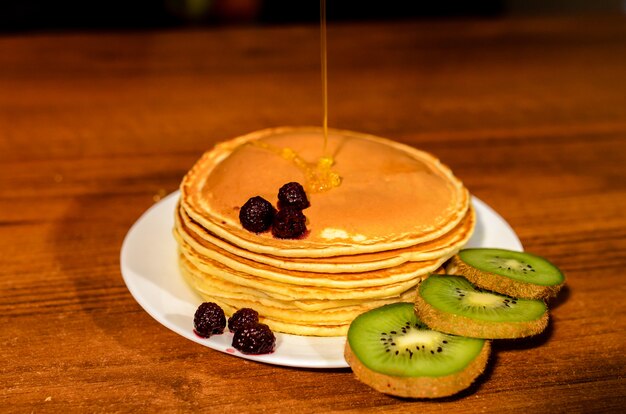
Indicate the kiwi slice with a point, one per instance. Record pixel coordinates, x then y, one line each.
453 305
517 274
392 351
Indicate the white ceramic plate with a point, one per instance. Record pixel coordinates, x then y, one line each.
149 267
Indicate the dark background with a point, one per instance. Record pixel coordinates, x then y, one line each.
50 15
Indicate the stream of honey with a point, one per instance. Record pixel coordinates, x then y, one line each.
324 61
318 176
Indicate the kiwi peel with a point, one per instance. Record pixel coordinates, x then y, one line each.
453 305
517 274
393 352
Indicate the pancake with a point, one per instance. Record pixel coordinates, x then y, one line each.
223 289
288 317
288 327
207 244
215 287
380 277
398 215
278 289
391 195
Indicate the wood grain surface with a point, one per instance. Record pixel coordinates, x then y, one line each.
94 128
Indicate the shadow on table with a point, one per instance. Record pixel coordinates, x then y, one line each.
562 297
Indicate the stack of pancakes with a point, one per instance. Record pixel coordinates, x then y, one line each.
397 216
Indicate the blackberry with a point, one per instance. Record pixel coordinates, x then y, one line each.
256 214
242 318
292 195
289 223
257 338
209 320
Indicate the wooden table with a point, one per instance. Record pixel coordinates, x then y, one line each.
94 128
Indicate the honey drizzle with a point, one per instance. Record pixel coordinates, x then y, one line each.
318 176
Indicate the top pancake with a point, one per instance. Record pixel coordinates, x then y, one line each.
391 195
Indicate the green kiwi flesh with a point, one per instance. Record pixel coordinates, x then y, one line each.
508 272
392 351
453 305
